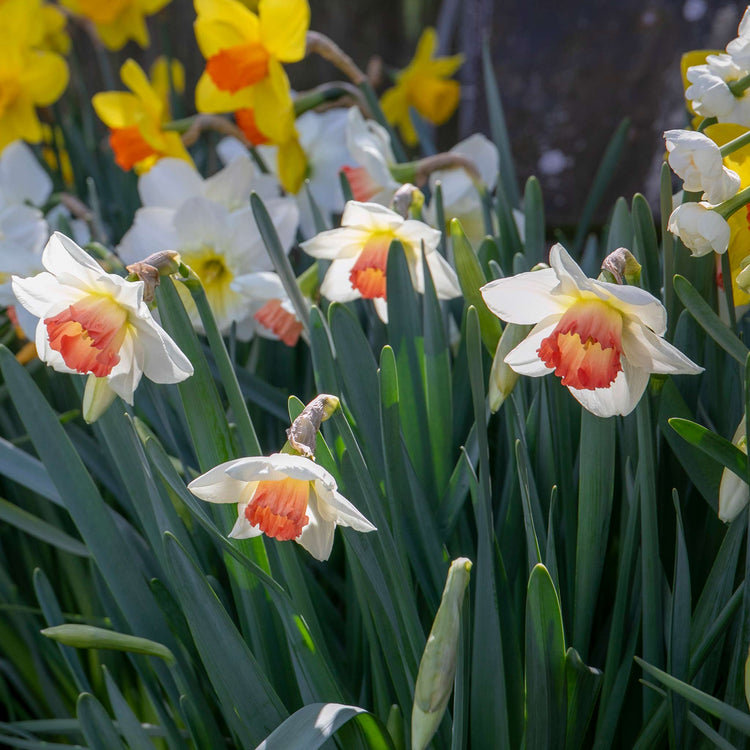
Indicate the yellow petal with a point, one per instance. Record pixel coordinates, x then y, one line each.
435 99
208 98
426 47
224 23
395 106
135 79
44 78
292 165
443 67
150 7
283 28
274 111
117 109
21 121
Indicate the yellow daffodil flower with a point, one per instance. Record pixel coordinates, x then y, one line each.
118 21
739 222
35 24
423 85
160 73
244 53
135 121
29 78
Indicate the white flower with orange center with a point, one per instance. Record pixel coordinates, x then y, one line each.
358 251
96 323
283 496
602 340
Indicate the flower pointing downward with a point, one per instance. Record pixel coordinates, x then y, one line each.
602 340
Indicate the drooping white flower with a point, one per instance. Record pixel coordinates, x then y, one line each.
739 49
734 493
283 496
210 223
701 229
709 93
602 340
697 160
96 323
358 251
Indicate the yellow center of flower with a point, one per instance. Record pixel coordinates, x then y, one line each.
278 507
89 334
368 272
216 277
585 347
9 90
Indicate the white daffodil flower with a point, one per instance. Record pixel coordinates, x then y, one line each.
274 314
710 95
739 49
697 160
282 496
358 251
701 229
370 146
96 323
734 493
602 340
210 223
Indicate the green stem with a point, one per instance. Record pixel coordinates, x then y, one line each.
726 273
735 144
739 86
735 203
706 122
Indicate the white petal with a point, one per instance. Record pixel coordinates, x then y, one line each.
216 486
161 360
63 258
526 298
22 177
169 183
231 148
651 353
620 398
126 374
261 286
370 216
443 276
524 358
381 308
572 279
635 303
336 285
153 230
334 507
734 495
284 214
200 222
317 536
279 466
42 295
456 183
242 528
232 185
345 242
415 233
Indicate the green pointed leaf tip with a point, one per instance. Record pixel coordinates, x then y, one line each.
88 636
438 666
713 445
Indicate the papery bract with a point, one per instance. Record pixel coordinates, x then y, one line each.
603 340
283 496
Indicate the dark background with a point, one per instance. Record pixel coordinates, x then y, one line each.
568 73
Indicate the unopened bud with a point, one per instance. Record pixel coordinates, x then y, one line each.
623 266
303 432
437 669
734 492
149 270
408 199
502 378
97 397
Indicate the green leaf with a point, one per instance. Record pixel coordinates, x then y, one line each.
127 722
583 684
88 636
647 244
734 717
471 278
718 448
620 233
30 524
596 482
709 320
311 726
546 692
533 211
28 471
97 727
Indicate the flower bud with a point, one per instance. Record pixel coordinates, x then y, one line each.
302 433
502 378
734 492
438 666
621 263
97 397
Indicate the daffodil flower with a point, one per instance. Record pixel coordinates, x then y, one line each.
136 121
602 340
118 21
244 54
734 493
283 496
424 85
96 323
700 228
359 254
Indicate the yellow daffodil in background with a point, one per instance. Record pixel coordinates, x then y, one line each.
423 85
135 121
163 75
244 53
29 77
118 21
739 222
35 24
55 154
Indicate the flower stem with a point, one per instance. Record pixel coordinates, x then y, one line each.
736 202
739 86
735 144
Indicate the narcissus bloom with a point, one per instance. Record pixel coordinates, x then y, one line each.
701 229
358 251
424 85
135 121
282 496
734 493
244 53
118 21
709 93
697 159
96 323
602 340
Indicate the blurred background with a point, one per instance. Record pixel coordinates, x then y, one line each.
568 73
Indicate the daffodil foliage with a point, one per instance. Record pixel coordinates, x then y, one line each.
311 436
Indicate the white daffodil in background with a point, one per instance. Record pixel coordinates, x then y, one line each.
697 160
739 48
358 251
283 496
96 323
461 199
602 340
709 93
701 229
210 223
734 493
